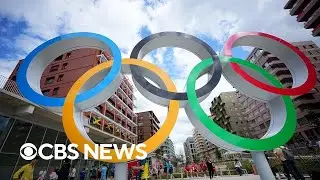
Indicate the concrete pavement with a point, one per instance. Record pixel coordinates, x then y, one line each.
247 177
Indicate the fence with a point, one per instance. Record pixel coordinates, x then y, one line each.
9 86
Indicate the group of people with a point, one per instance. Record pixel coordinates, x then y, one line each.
203 167
284 155
66 172
98 173
145 169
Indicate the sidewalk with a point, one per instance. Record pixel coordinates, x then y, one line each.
248 177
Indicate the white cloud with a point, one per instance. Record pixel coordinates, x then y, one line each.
121 21
6 67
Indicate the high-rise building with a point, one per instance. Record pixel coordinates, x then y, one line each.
114 118
307 11
204 147
148 125
167 148
307 105
190 150
227 113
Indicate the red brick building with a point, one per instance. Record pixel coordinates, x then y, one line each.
148 125
115 117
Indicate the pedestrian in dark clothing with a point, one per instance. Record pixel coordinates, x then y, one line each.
63 173
210 167
238 165
83 174
287 159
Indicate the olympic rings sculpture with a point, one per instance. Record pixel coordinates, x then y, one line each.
99 83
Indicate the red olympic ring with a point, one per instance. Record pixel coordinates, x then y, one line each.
302 89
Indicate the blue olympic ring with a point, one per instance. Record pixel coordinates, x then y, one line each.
39 99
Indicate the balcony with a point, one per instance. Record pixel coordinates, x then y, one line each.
316 31
308 11
279 71
299 6
314 21
307 101
290 4
125 81
116 124
119 113
126 107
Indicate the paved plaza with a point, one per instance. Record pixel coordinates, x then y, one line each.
248 177
232 178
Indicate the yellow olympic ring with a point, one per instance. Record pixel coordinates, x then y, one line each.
152 143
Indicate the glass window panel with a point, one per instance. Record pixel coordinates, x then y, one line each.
50 137
36 135
7 165
5 125
17 137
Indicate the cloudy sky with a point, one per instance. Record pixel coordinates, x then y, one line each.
25 24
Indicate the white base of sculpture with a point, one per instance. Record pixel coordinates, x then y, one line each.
262 166
121 171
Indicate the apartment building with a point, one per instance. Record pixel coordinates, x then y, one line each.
148 125
190 150
227 112
167 148
204 147
307 105
307 11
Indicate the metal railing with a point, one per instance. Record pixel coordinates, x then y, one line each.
9 86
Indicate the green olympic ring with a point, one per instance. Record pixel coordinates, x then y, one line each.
268 143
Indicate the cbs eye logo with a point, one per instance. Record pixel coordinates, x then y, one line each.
28 151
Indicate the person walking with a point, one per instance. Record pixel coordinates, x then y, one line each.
98 173
42 175
210 167
170 170
26 171
111 168
53 174
166 167
72 174
93 173
143 170
237 166
63 173
104 170
282 153
83 174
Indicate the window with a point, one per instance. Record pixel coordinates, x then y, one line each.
14 78
54 68
46 92
64 66
68 55
60 77
49 80
55 91
262 108
311 46
59 58
265 116
262 126
256 112
259 119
